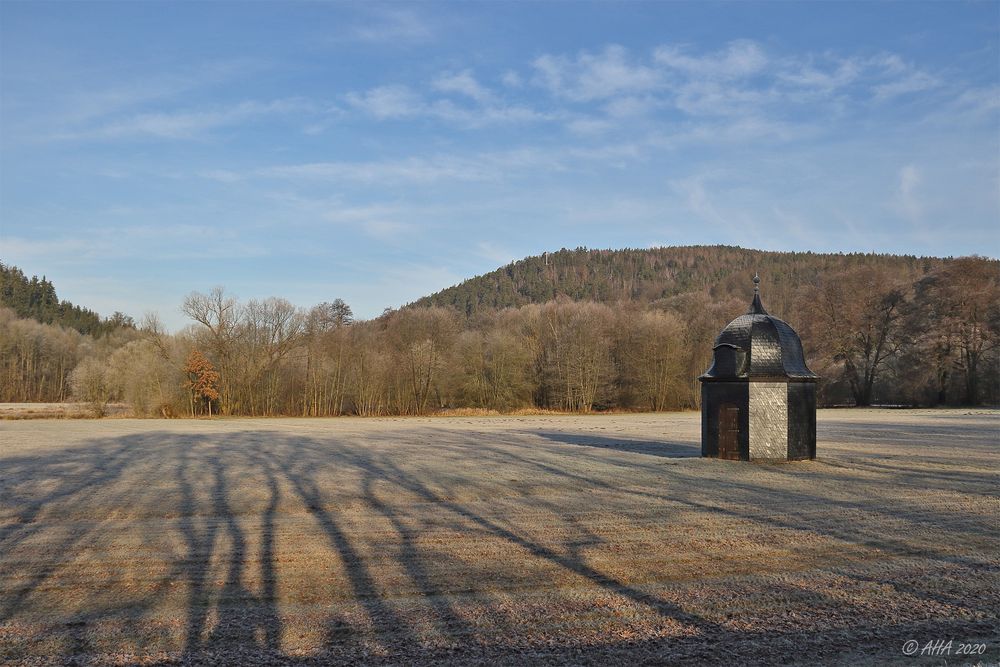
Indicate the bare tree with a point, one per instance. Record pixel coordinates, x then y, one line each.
368 369
36 359
269 331
575 353
653 358
856 324
421 339
961 304
325 345
90 385
219 314
493 369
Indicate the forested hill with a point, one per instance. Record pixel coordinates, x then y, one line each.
652 274
36 299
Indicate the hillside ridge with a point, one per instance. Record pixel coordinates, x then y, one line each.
650 275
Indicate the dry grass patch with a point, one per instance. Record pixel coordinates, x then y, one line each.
485 539
59 410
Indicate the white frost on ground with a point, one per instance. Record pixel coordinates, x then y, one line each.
596 539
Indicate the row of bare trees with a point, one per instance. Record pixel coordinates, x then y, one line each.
37 360
874 337
879 337
268 358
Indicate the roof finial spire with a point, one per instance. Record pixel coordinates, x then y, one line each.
756 308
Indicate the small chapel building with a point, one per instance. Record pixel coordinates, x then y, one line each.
758 400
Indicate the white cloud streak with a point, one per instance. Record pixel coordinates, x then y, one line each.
387 102
739 80
393 26
907 198
185 124
151 242
741 58
596 76
463 83
592 93
489 166
399 102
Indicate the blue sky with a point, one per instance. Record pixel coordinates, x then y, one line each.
380 152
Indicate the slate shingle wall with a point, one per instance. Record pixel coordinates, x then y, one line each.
801 420
768 420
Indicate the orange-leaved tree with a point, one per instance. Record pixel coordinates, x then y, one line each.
202 380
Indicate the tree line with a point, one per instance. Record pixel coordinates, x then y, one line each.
875 334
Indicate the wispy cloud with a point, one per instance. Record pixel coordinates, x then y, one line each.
496 253
823 74
589 125
738 80
184 124
907 197
463 83
913 82
980 100
485 166
591 93
407 170
741 58
151 242
82 106
394 101
394 25
698 201
512 79
399 101
595 76
386 223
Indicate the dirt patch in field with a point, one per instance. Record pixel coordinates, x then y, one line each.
485 540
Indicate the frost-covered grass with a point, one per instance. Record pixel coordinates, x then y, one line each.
553 539
59 410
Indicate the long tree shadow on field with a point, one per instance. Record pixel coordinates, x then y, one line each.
67 517
788 509
63 513
34 489
971 435
385 470
672 450
218 509
737 491
202 532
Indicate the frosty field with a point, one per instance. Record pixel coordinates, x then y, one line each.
599 539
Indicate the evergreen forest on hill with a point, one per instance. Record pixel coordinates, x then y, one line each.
36 299
575 330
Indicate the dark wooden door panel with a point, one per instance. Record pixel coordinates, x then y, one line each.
729 432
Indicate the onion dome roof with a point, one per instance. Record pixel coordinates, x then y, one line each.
758 346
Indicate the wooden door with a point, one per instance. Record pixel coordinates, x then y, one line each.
729 432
